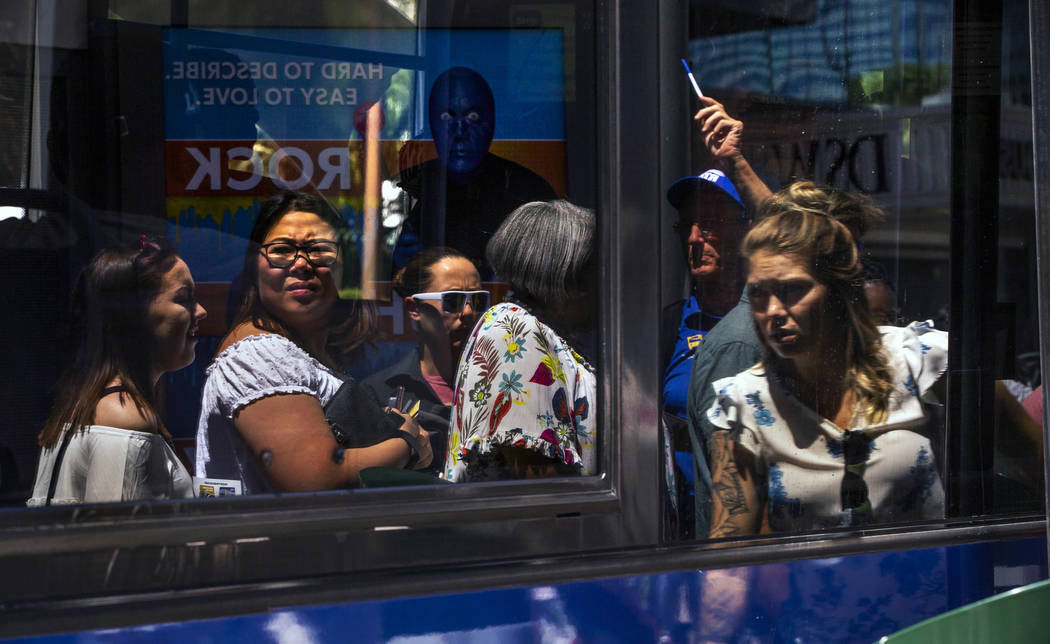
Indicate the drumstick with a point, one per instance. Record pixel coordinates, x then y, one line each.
692 79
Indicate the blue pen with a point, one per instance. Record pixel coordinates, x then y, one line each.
692 79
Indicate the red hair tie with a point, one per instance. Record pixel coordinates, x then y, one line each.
148 243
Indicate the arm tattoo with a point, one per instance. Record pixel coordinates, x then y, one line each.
734 513
728 485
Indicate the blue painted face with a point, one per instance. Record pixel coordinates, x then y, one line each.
462 119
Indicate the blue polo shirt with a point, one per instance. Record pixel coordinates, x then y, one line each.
691 331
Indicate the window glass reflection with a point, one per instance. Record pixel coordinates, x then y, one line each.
299 165
854 97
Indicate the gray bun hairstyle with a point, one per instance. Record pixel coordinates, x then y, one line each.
544 250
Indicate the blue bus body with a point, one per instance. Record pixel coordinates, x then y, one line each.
857 598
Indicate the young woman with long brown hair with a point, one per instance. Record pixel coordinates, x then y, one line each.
134 318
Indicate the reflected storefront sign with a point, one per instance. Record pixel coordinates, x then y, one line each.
249 113
899 156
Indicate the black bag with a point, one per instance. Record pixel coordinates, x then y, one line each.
357 419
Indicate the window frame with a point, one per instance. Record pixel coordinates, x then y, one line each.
1039 43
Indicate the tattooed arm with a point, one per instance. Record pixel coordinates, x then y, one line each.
738 494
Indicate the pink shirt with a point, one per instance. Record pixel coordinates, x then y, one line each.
440 387
1033 404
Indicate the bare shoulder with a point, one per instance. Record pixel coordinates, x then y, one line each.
119 410
240 332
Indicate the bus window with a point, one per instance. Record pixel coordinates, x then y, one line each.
297 209
819 218
1016 465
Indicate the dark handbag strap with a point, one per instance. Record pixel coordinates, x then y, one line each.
58 465
65 443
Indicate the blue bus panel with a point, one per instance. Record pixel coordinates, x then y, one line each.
857 598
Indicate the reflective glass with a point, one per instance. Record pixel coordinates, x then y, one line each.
354 136
855 97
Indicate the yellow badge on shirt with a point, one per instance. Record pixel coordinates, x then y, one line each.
694 340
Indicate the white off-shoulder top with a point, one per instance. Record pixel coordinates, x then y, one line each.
104 464
250 369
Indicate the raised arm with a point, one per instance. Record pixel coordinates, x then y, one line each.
723 137
738 498
290 437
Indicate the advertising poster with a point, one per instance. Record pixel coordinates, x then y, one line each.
249 113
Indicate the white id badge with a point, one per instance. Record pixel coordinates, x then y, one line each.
216 487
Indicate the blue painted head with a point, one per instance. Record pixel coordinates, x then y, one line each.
462 120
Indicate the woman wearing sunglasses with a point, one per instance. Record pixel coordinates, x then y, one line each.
524 394
832 428
442 293
134 319
266 412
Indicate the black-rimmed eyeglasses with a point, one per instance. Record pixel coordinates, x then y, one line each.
453 302
856 449
282 254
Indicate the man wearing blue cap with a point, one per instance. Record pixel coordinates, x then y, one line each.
712 221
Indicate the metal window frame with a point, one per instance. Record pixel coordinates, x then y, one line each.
1039 42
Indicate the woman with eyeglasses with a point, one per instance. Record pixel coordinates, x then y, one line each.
277 413
832 428
524 393
441 290
134 319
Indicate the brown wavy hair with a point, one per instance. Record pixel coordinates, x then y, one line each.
806 221
109 336
354 323
857 212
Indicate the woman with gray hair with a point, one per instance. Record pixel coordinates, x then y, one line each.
523 393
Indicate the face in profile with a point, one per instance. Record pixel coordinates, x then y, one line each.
788 304
302 293
462 119
173 315
449 274
710 227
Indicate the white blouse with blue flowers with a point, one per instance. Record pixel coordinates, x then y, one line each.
802 453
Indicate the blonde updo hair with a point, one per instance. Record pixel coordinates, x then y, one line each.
809 223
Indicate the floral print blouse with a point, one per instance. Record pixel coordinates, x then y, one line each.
520 385
802 454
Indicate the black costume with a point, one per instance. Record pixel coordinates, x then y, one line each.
472 211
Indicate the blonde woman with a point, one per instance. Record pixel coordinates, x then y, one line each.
832 428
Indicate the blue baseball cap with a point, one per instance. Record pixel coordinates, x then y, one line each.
707 180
